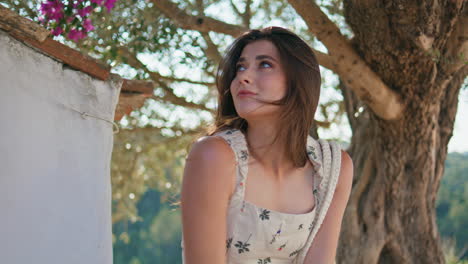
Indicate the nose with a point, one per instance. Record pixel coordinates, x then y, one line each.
245 77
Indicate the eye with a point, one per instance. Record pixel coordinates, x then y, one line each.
238 66
265 63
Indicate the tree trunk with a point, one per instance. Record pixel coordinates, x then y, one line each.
390 217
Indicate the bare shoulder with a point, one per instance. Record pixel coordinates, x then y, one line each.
346 161
211 160
209 177
211 148
345 179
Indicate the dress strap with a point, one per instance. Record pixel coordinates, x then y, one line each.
236 140
315 156
329 174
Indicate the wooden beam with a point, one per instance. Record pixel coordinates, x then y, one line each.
137 87
128 103
10 21
133 95
67 55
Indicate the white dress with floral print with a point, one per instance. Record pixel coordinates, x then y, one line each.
257 235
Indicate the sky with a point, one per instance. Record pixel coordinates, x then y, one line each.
459 140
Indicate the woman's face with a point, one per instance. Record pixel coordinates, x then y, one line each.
259 75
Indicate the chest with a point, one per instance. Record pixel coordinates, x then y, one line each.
291 195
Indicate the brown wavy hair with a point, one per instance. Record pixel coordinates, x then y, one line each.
302 95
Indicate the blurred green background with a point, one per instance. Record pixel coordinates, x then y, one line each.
155 238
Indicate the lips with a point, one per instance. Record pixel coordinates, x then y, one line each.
245 92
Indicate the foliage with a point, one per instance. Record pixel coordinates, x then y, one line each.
452 201
452 254
154 239
143 160
67 16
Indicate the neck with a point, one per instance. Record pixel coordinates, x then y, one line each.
268 154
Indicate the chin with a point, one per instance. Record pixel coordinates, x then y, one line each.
255 115
248 110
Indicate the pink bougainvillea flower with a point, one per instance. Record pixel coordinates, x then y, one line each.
87 25
76 3
57 16
85 11
46 8
57 31
75 34
98 2
72 14
109 5
52 9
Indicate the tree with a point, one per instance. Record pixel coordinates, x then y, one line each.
401 65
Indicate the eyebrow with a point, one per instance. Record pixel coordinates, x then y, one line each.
259 57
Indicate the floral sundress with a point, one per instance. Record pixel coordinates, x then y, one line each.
257 235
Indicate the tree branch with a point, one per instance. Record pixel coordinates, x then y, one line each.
211 51
325 60
236 10
247 16
208 24
200 7
169 95
200 23
173 79
348 65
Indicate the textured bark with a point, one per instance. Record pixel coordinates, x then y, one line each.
347 63
390 217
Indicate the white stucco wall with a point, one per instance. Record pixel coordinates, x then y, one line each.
55 190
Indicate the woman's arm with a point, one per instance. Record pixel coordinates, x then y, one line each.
323 249
209 177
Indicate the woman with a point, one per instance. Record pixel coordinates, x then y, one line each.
258 188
